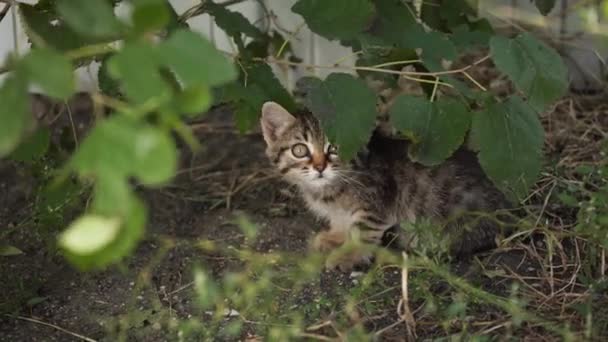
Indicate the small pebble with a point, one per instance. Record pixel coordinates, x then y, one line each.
356 274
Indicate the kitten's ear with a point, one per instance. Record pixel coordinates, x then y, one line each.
275 119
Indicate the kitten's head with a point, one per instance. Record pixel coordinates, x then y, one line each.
297 146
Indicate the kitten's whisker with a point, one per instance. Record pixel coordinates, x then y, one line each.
350 180
353 172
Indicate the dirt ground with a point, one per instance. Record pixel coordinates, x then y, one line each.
42 298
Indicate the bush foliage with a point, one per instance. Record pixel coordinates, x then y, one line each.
156 74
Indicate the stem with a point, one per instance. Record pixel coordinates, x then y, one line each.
95 50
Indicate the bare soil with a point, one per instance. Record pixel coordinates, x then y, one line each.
44 299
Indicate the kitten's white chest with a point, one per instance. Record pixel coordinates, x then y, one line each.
340 218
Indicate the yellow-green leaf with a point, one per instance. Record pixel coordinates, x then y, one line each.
89 234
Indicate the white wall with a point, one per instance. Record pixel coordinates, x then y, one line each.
583 50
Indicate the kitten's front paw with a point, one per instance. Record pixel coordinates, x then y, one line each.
327 241
346 260
343 259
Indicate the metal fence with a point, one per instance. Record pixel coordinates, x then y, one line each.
574 26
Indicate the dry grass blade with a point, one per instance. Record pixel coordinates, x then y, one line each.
403 309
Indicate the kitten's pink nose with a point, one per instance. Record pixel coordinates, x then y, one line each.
319 167
319 162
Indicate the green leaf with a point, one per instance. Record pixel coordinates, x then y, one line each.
444 15
150 15
112 194
261 75
395 18
108 85
435 47
398 26
510 138
536 69
464 89
544 6
233 23
43 24
117 243
375 52
131 233
51 71
123 147
336 19
196 61
206 289
155 156
55 196
89 234
113 199
8 250
137 65
430 14
14 112
34 147
346 109
258 84
194 100
35 301
245 116
466 39
174 22
108 147
90 18
437 129
247 101
249 228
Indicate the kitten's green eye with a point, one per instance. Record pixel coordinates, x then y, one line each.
299 150
332 149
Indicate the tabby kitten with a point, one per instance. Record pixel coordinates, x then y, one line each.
380 188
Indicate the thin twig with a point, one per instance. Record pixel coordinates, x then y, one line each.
74 133
435 86
316 337
603 263
404 74
395 63
32 320
288 40
7 7
95 50
14 24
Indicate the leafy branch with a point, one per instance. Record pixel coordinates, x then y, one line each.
203 8
384 68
